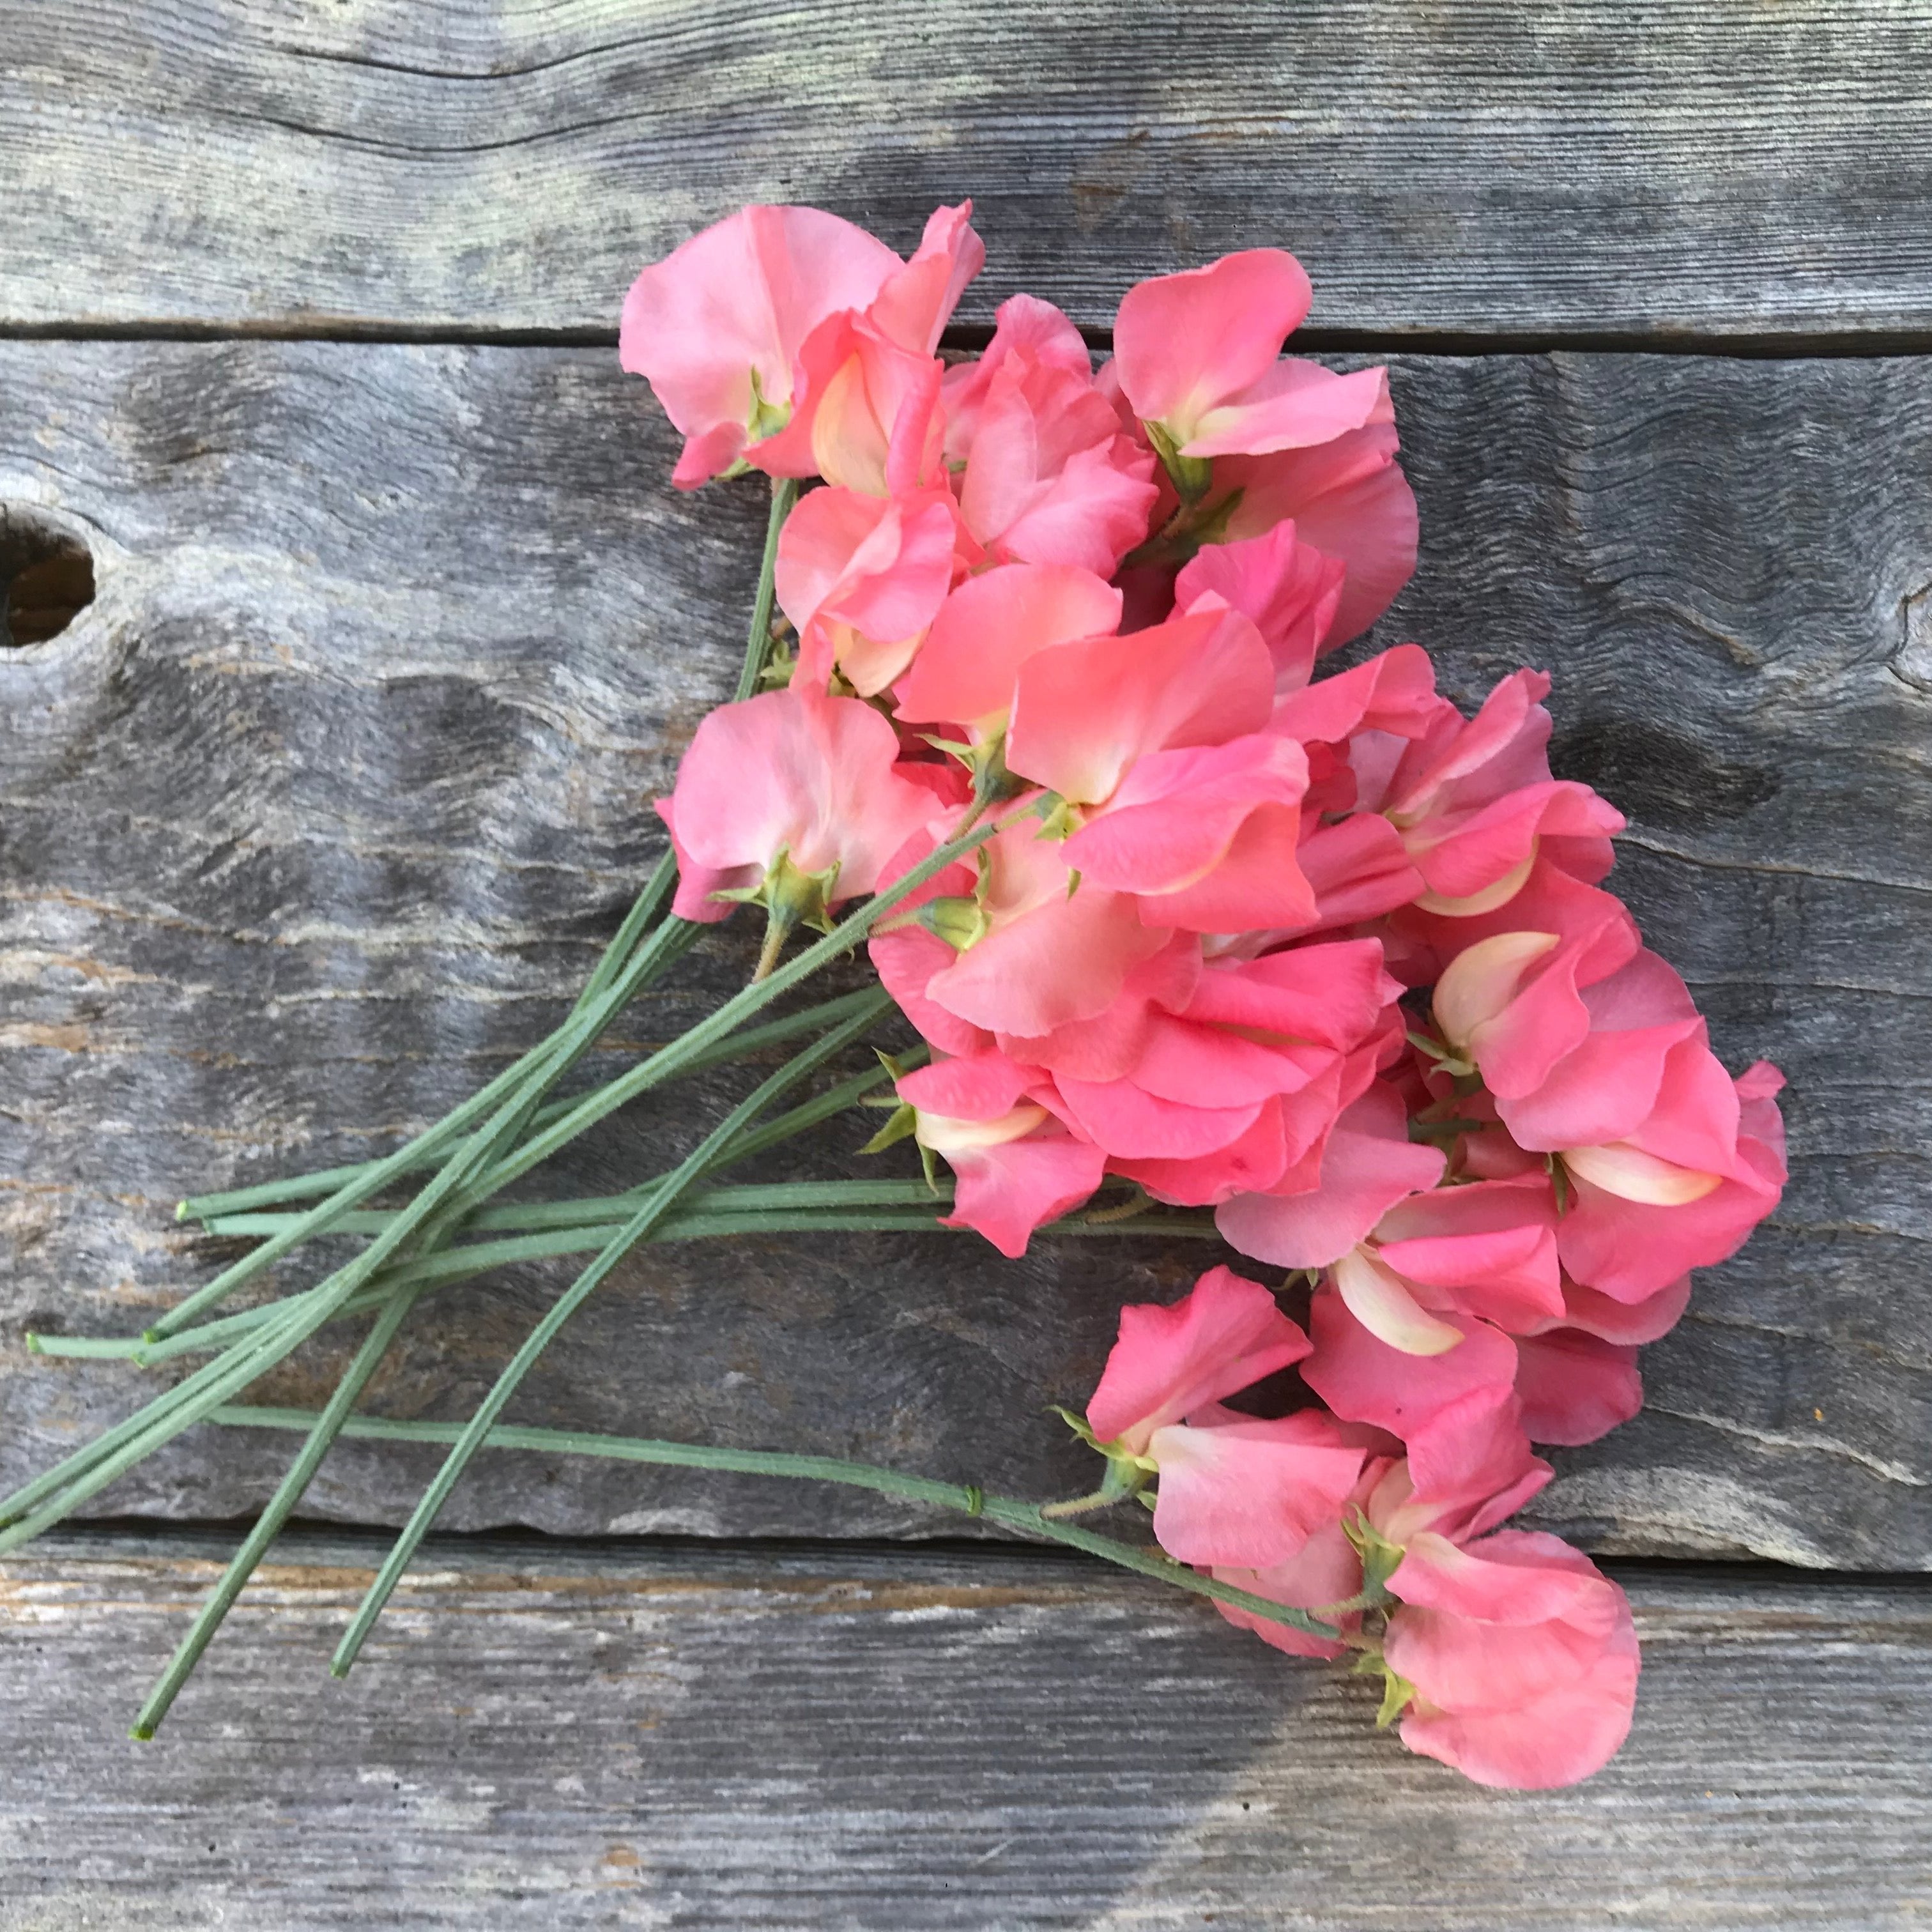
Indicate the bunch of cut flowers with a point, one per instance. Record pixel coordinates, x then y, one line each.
1196 940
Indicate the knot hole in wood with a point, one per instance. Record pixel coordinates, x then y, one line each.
47 576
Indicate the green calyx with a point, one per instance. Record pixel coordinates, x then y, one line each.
1379 1556
1192 476
791 898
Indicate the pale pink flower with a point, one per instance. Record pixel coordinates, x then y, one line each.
793 775
1522 1655
862 578
716 327
1195 354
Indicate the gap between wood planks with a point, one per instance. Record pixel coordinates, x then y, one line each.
968 339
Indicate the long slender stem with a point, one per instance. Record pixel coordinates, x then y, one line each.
549 1058
693 1224
324 1427
654 1210
206 1208
967 1500
758 638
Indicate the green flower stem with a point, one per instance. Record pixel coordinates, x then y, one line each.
969 1501
208 1208
504 1131
44 1501
662 1201
511 1088
758 637
473 1259
324 1427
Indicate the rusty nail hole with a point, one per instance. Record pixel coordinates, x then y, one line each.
46 577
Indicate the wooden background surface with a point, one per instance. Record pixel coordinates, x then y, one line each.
318 812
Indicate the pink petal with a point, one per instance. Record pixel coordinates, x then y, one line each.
987 629
1249 1492
1364 1380
1224 1334
1368 1165
1183 342
1005 1192
1084 712
1290 589
1575 1387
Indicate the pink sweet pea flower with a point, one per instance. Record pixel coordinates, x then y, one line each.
1237 1490
1635 1223
716 327
1200 1081
1016 1167
964 673
1474 802
1349 498
862 577
792 775
1368 1164
866 413
1044 473
1364 1379
1180 798
1047 950
1195 356
1226 1333
1288 589
1522 1655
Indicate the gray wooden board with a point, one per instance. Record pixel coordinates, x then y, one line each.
552 1736
319 813
1577 168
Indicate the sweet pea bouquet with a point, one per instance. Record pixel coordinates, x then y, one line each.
1194 937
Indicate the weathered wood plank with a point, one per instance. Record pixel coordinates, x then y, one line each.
558 1737
1561 169
317 815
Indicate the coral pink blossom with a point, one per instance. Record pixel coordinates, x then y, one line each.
1369 1164
1195 354
862 577
964 673
866 413
1362 1379
1016 1167
1050 949
793 773
1473 801
1633 1226
1522 1657
1326 1570
1349 498
1288 589
717 325
1169 1362
1238 1489
1468 1467
1201 1080
1043 472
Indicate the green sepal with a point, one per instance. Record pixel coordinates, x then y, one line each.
901 1127
960 921
1379 1556
1398 1694
1193 475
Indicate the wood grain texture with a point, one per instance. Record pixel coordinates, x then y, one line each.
556 1737
317 814
438 165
